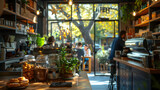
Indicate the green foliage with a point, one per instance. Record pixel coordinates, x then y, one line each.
86 12
29 39
25 1
67 65
138 4
102 55
40 40
127 10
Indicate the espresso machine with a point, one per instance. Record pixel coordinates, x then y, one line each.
141 47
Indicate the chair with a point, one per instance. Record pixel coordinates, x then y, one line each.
89 64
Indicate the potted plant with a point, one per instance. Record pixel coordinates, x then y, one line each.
67 66
102 56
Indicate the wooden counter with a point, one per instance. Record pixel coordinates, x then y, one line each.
81 83
137 65
132 75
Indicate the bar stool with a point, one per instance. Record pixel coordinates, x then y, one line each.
89 64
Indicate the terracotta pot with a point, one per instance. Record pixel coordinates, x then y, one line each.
65 74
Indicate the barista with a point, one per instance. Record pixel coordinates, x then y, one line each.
118 44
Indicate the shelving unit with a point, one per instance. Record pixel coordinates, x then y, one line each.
31 9
18 18
155 19
155 4
143 11
146 23
152 21
7 27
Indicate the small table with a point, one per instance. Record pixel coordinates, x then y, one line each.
89 61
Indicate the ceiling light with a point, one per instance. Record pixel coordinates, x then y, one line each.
70 2
134 13
38 12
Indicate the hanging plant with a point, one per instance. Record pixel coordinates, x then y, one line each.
24 1
138 4
128 8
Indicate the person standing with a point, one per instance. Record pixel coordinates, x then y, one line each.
118 44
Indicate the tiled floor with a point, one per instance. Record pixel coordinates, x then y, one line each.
99 82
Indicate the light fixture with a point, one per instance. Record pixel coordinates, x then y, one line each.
38 12
70 2
134 13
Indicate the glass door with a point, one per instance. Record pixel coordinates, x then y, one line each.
105 31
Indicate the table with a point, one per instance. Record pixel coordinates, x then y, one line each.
89 61
83 84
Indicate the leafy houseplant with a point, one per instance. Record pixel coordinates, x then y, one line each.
102 55
67 66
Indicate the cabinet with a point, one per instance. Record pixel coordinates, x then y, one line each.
148 18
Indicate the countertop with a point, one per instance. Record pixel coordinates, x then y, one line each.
137 65
80 83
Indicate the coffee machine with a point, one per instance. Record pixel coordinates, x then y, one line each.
141 47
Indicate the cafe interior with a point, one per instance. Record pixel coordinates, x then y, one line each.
78 44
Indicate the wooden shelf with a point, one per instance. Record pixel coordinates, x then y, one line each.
32 33
20 17
143 11
146 23
155 19
155 4
6 11
31 9
7 27
156 33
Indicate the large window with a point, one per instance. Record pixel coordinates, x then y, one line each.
95 24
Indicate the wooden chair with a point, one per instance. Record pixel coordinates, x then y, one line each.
89 64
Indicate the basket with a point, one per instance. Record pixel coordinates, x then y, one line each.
40 74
